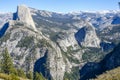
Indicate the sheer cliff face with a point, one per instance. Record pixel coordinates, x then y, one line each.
87 37
24 15
112 60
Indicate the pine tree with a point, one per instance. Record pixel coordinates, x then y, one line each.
7 64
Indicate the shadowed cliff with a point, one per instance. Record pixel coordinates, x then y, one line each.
110 61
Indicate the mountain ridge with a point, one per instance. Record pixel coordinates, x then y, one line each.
55 36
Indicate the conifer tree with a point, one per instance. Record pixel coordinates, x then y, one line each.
7 64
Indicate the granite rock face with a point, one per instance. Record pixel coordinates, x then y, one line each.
57 66
24 15
67 39
87 37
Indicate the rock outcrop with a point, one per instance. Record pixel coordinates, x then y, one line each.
87 37
23 14
67 39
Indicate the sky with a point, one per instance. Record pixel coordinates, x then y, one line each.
61 5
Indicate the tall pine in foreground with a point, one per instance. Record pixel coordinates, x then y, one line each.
7 63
